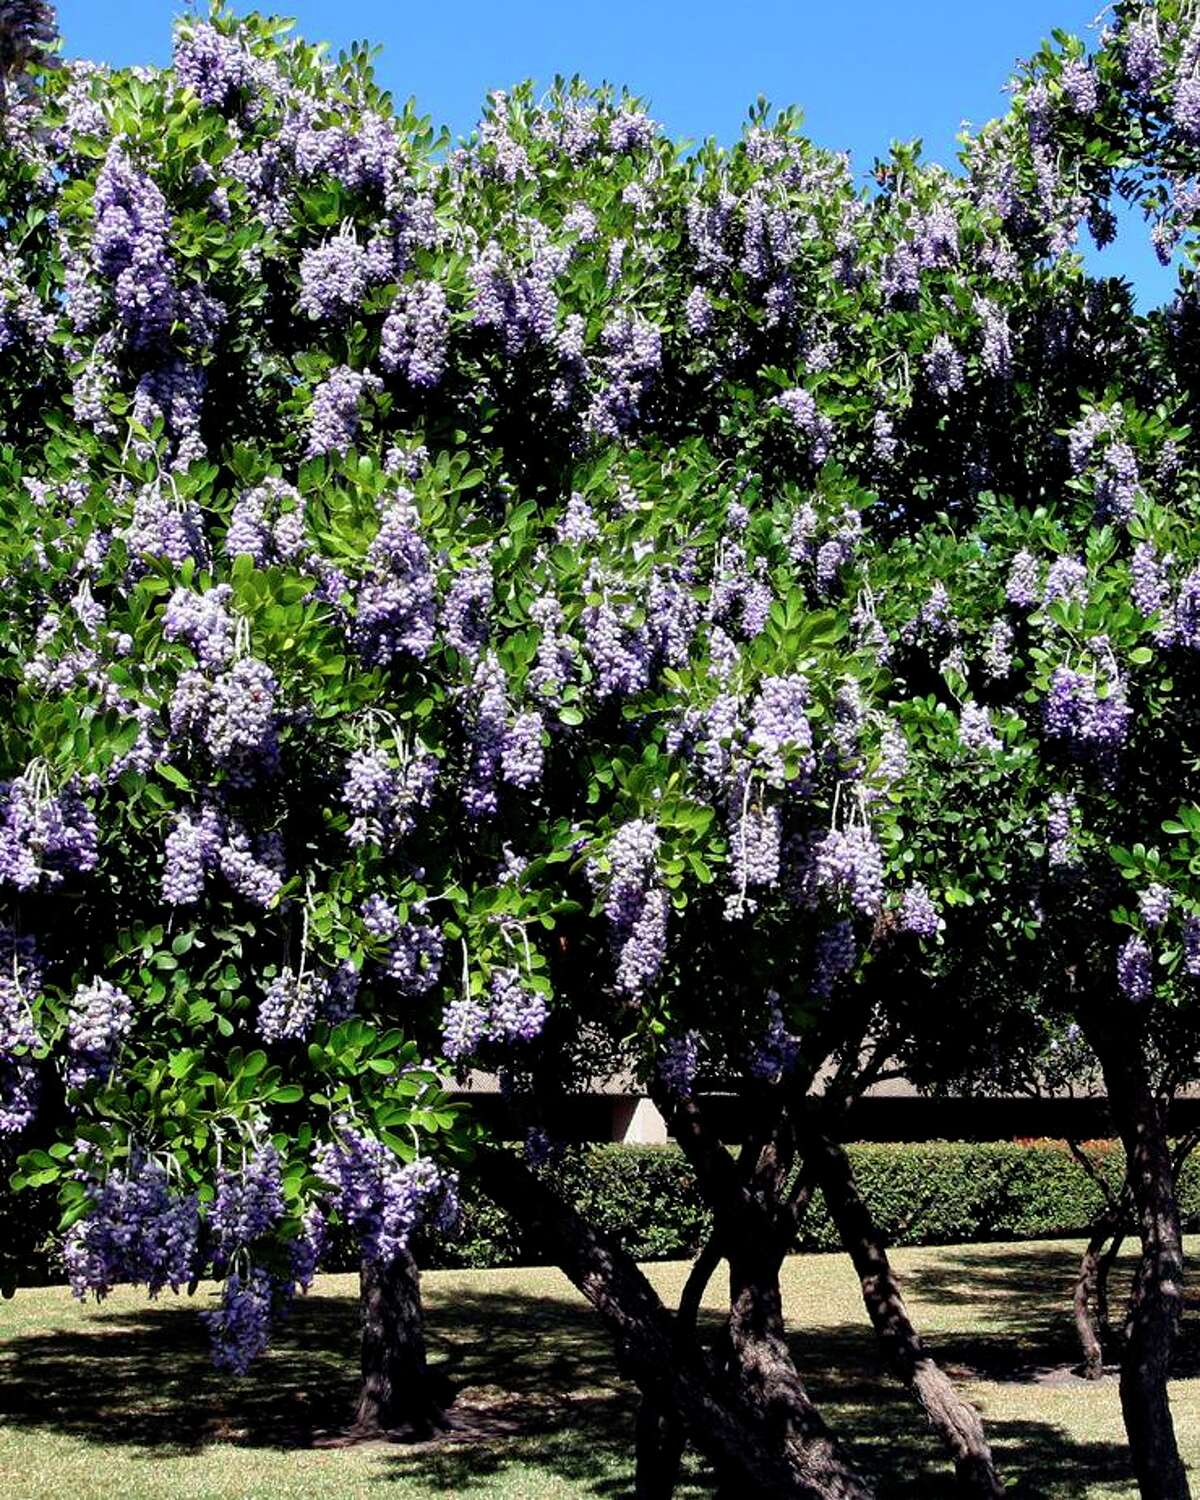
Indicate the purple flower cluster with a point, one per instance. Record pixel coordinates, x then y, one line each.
204 622
833 957
137 1230
918 914
1147 580
998 649
465 612
165 528
1116 484
1191 945
996 353
217 68
248 1203
381 1199
631 130
755 839
253 867
522 308
415 335
131 249
698 312
1143 55
240 718
635 904
893 756
240 1329
497 750
414 958
100 1015
172 394
817 429
1134 969
396 602
335 277
1079 86
1023 588
578 525
20 985
631 363
975 730
849 863
44 836
774 1054
1093 723
1154 904
335 415
516 1012
292 1005
740 597
555 664
1066 582
944 368
385 798
678 1060
1186 615
20 1091
464 1026
1060 810
261 527
192 849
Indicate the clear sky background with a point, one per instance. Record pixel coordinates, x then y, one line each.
863 71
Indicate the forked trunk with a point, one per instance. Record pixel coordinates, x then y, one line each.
736 1433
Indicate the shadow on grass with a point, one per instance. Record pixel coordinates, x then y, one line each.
537 1385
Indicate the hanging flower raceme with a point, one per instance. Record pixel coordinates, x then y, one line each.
382 1199
635 904
44 836
138 1228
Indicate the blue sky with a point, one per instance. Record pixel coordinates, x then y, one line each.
863 71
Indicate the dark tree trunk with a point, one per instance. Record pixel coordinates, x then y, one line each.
1156 1301
732 1430
1086 1300
660 1434
397 1389
955 1420
756 1229
1102 1274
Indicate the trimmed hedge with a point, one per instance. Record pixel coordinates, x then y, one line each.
921 1193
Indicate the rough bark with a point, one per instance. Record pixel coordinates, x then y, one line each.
756 1229
956 1421
660 1434
1085 1300
717 1414
1157 1298
398 1391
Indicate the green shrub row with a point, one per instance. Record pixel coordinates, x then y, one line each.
921 1193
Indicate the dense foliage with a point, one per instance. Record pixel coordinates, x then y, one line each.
559 603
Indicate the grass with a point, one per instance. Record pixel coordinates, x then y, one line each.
119 1400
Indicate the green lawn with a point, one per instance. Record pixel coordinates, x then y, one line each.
117 1402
